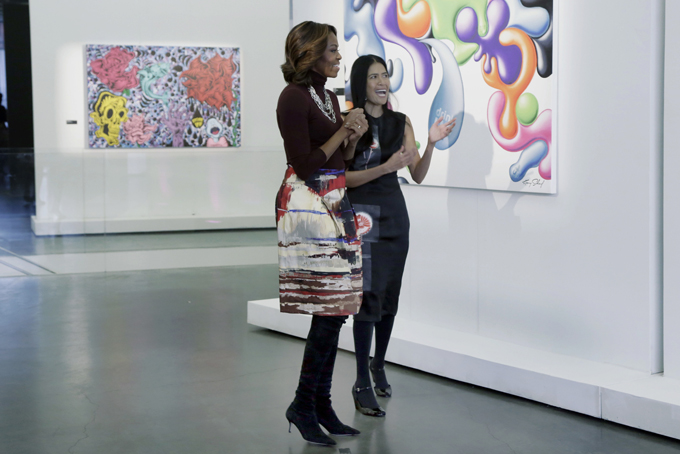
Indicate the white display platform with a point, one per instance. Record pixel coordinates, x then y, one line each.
613 393
48 227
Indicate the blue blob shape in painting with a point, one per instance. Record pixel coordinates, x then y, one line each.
396 71
359 22
533 21
450 99
531 157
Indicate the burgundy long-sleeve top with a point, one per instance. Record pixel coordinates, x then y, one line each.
304 127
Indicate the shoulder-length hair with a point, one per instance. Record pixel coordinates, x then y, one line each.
305 44
357 81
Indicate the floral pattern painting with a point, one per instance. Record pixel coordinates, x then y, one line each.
163 96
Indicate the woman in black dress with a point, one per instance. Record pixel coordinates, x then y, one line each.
319 250
374 191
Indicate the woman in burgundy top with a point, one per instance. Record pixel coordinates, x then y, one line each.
319 250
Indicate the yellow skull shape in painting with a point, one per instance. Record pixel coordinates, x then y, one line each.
109 113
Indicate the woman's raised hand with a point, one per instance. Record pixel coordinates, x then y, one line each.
356 122
440 130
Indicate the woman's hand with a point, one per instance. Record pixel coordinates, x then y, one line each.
360 130
440 130
354 125
356 122
402 158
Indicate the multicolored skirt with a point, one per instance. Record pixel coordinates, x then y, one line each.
319 250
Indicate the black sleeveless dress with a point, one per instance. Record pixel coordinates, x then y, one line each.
383 221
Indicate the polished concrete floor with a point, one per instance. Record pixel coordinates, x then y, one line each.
163 361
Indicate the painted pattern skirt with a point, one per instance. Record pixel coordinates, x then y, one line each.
319 250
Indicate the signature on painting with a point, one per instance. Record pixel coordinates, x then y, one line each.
534 182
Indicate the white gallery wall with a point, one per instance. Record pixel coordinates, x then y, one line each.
576 273
672 192
86 190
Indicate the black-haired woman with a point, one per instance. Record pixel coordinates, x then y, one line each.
374 191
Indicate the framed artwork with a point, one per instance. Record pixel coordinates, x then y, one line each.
163 96
489 64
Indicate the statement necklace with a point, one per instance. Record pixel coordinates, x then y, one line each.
327 107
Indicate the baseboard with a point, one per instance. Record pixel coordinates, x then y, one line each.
50 227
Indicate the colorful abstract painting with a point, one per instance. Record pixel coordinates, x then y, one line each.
163 96
488 63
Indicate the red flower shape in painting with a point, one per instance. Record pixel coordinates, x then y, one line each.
111 70
211 81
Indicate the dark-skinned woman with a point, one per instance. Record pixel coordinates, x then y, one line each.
320 269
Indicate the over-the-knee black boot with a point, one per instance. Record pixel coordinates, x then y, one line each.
324 411
302 411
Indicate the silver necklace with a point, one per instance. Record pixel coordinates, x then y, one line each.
327 107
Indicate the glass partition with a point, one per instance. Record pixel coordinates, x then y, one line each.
84 211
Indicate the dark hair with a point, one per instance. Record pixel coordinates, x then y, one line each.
305 44
357 80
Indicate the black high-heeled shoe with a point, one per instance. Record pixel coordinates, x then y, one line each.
377 411
381 378
308 427
330 421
